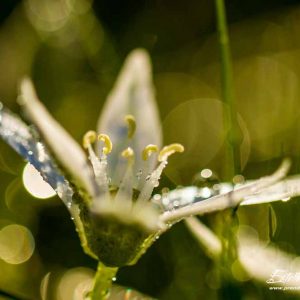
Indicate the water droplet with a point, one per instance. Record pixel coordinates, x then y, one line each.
205 192
205 178
206 173
176 203
139 174
238 179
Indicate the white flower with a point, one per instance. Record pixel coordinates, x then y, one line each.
108 190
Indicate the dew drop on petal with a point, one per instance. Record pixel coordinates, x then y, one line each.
205 192
238 179
35 184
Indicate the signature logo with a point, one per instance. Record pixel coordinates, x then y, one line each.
283 277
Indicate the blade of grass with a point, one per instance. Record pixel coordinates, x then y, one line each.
230 115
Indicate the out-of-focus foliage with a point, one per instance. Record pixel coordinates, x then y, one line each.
73 49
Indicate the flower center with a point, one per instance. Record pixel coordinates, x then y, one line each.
146 179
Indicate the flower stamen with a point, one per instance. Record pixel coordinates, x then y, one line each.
128 153
107 142
148 150
146 164
153 180
131 124
88 139
169 150
99 164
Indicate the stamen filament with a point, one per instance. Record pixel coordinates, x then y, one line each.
146 164
153 180
99 165
126 187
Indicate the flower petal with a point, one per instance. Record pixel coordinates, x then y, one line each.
25 141
281 191
63 146
227 200
280 269
133 94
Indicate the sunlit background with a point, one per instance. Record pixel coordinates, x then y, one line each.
73 50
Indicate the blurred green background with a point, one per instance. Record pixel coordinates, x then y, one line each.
73 49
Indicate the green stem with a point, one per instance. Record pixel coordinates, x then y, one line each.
233 163
230 114
103 282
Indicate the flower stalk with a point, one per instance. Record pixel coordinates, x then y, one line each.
230 112
102 282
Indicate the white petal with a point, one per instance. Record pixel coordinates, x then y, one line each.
132 94
230 199
261 261
281 191
205 236
63 146
269 265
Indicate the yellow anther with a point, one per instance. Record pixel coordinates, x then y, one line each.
169 150
106 140
148 150
130 120
89 138
128 153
